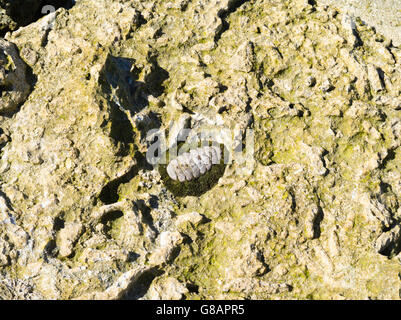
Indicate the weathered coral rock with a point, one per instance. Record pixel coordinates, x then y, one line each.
313 213
17 13
14 86
166 289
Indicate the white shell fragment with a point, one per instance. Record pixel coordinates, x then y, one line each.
193 164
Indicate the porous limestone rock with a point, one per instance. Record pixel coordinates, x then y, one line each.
17 13
14 86
166 289
315 212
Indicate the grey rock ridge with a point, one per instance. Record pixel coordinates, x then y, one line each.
313 213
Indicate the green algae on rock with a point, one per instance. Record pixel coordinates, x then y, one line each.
314 215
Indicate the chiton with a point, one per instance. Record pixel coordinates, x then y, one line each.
191 165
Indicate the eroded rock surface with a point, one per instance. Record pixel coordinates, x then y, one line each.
315 213
17 13
384 15
14 83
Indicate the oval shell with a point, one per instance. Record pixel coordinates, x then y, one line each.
191 165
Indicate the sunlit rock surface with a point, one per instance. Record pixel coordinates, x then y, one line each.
314 214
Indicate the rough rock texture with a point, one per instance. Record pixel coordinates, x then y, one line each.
384 15
314 214
14 85
16 13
